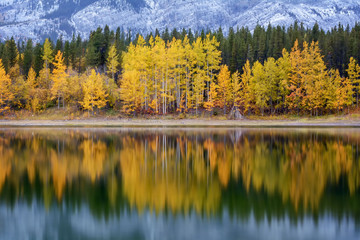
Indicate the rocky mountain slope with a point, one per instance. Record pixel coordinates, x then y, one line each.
38 19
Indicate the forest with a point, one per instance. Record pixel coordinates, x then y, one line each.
268 71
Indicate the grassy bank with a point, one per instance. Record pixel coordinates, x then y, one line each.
69 117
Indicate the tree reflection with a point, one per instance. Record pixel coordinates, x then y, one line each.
182 171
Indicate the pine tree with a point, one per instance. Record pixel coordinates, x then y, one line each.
28 57
10 55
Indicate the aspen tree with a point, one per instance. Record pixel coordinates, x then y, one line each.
32 101
261 90
94 92
224 90
236 89
199 73
130 91
271 82
59 77
112 62
295 96
5 90
211 102
284 68
212 59
319 77
188 60
354 77
246 92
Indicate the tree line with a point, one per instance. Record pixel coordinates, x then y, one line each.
270 71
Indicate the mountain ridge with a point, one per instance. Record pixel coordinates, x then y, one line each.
38 19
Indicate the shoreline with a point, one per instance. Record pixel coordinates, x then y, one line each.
180 123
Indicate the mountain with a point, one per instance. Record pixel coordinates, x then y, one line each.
38 19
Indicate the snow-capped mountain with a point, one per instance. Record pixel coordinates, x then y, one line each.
38 19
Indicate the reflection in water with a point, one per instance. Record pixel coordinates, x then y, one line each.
247 173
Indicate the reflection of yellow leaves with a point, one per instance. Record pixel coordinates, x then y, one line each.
162 182
224 172
180 173
94 157
30 166
6 155
59 171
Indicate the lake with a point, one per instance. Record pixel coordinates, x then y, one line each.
175 183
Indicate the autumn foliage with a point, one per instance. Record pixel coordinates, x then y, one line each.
155 76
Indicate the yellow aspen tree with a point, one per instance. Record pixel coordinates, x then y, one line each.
212 58
179 74
44 85
130 91
354 77
32 101
284 68
198 91
14 71
272 82
173 76
319 77
48 53
236 89
74 81
158 52
94 92
224 91
113 91
261 90
59 77
112 62
347 93
199 73
307 81
18 89
246 88
295 96
212 98
151 63
142 50
334 91
5 90
188 60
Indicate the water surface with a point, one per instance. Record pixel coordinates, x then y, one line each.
164 183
